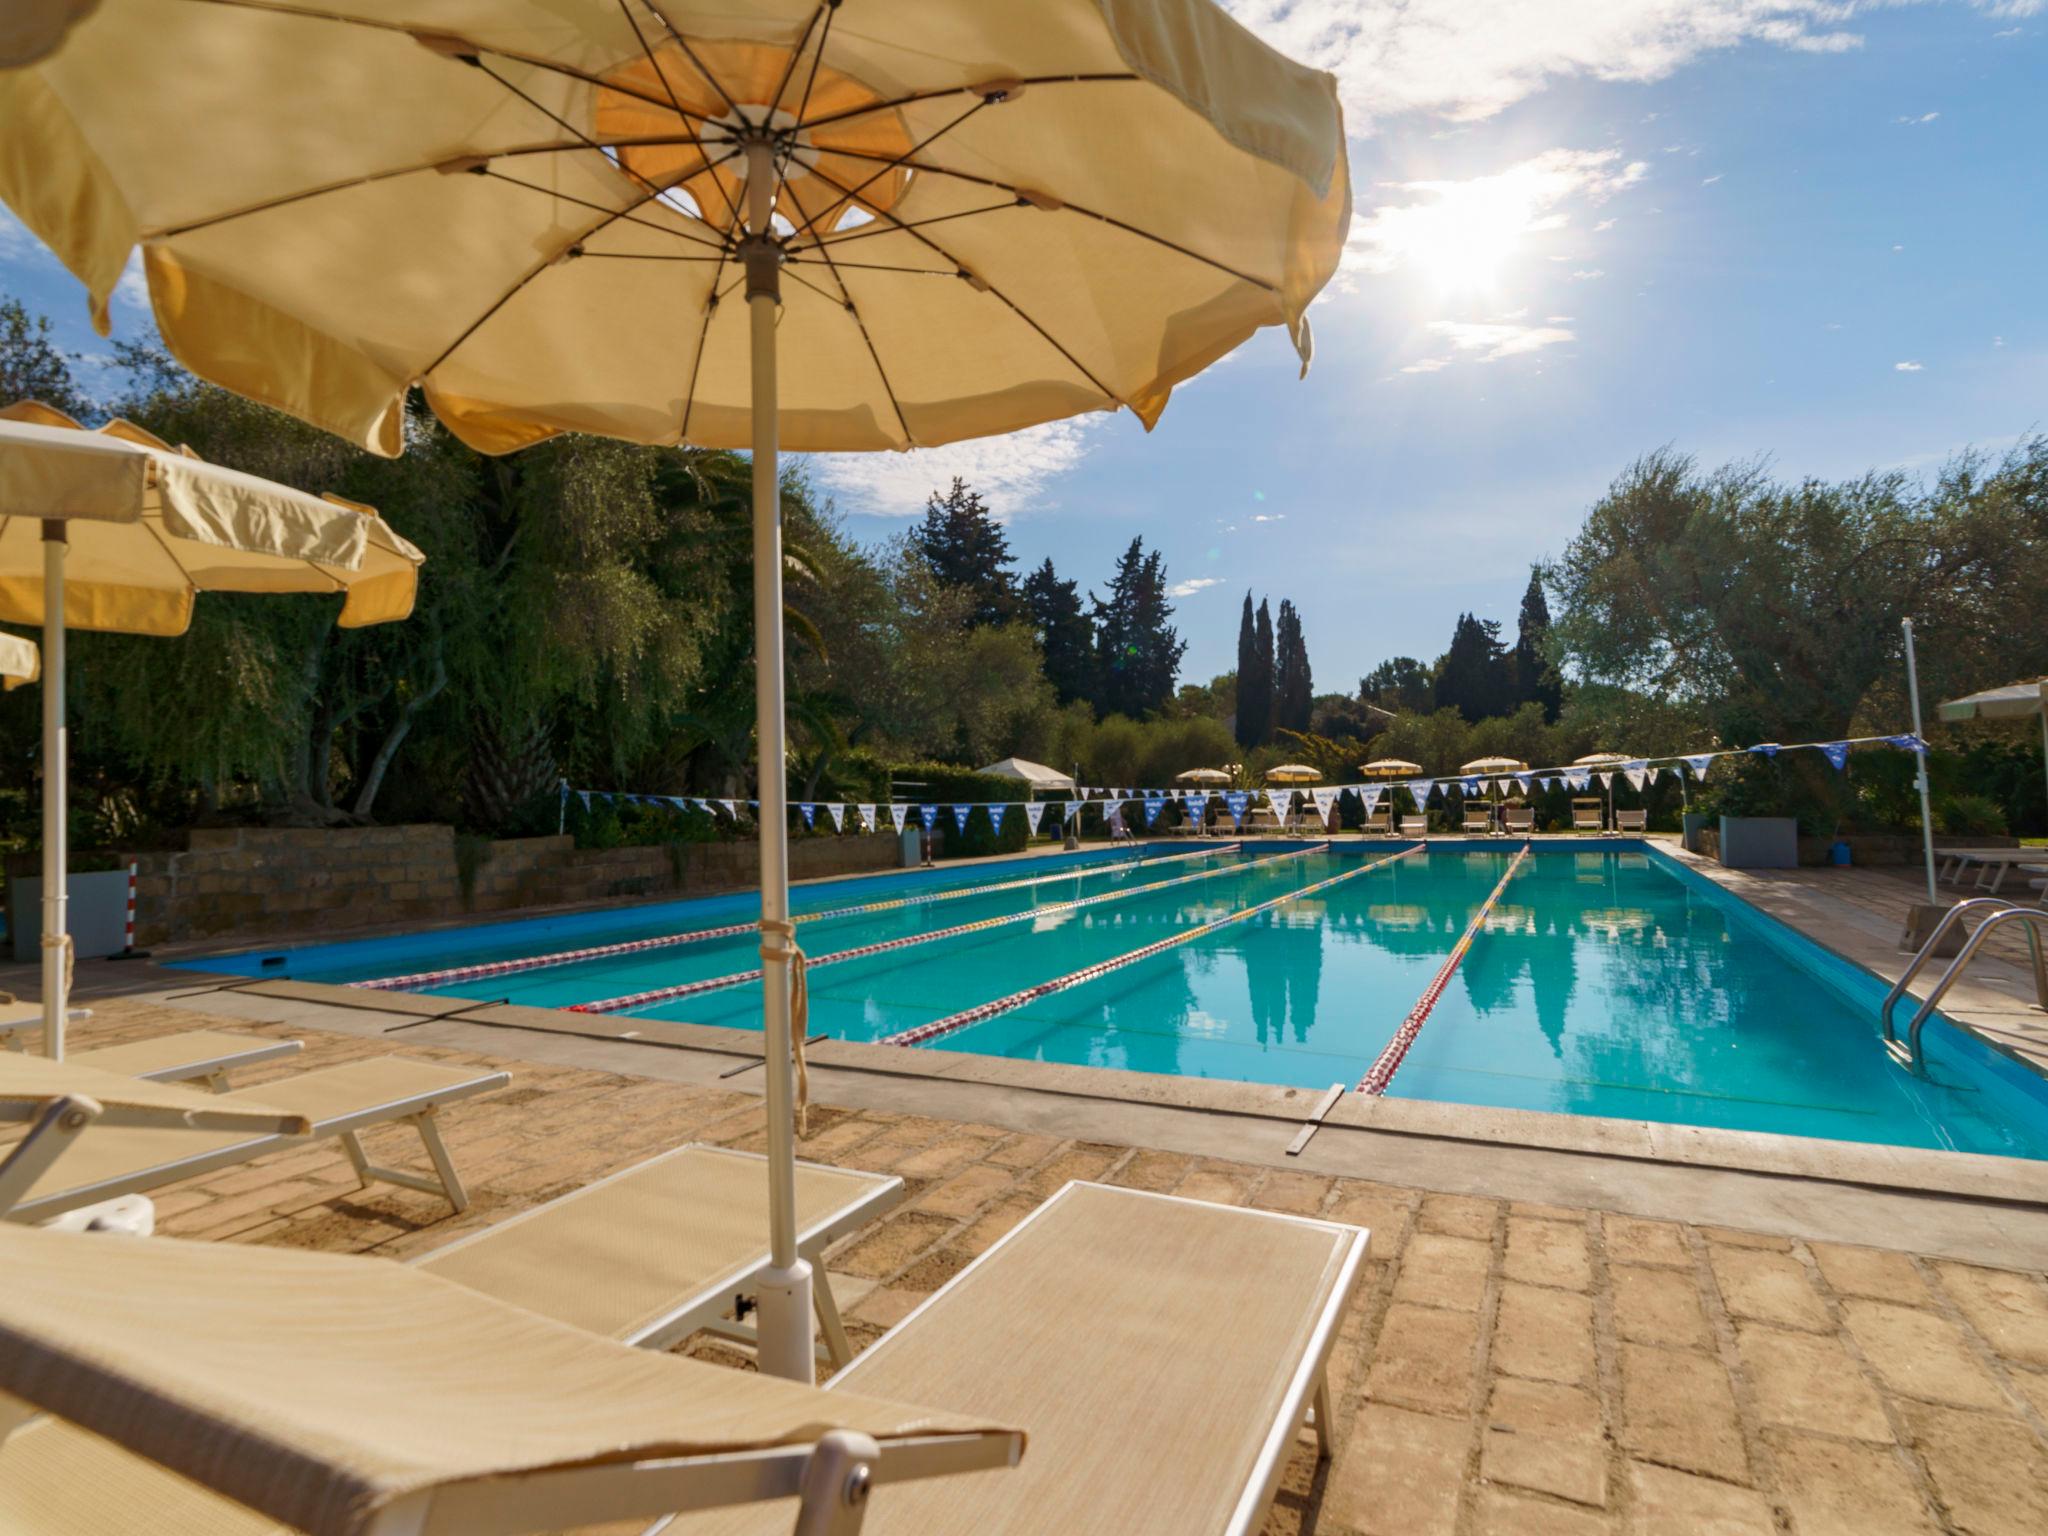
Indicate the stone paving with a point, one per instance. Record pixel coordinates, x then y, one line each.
1506 1368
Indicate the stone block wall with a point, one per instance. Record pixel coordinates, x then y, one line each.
256 881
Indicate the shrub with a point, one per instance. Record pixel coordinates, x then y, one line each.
1970 816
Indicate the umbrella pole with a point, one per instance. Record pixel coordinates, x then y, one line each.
1920 759
56 946
786 1346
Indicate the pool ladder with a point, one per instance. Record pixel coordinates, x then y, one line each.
1906 1052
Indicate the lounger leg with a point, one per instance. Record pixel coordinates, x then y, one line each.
48 1138
444 1165
446 1182
356 1157
1325 1424
217 1080
827 1308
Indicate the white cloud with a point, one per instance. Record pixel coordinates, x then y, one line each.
1190 588
1426 365
16 241
132 290
1896 249
1269 517
1010 472
1998 341
1587 274
1914 122
1604 225
1906 367
1708 181
1457 233
1494 341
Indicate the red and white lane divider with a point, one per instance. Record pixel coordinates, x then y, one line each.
740 978
1002 1005
425 979
1382 1071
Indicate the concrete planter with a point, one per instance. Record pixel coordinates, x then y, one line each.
1759 842
1695 823
97 915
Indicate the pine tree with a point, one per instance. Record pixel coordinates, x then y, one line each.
966 547
1475 677
1535 679
1293 686
1254 682
1137 652
1064 633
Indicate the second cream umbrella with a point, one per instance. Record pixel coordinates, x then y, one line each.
958 218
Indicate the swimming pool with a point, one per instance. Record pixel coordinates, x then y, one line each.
1607 981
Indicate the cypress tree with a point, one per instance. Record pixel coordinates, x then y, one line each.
1247 674
1293 686
1065 636
1475 677
1263 670
1535 679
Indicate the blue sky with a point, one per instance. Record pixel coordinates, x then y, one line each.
1809 230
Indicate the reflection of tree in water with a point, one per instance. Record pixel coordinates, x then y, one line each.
1283 962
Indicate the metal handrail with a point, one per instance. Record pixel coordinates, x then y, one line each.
1907 1052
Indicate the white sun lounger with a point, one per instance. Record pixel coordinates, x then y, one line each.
1993 864
658 1251
189 1056
1631 821
345 1396
1478 818
109 1159
1415 826
1162 1353
1521 818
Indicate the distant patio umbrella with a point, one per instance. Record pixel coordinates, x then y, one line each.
1390 768
1202 776
1294 773
117 530
19 661
989 216
1035 776
2015 701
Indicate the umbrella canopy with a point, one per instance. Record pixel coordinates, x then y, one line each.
1037 775
19 661
1601 760
1294 773
151 526
1390 768
2015 701
117 530
1494 765
1202 776
961 218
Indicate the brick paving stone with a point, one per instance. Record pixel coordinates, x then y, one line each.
1659 1306
966 1192
1399 1474
1846 1488
1568 1469
1023 1151
1809 1381
1771 1287
892 1245
1737 1239
1459 1215
2033 1386
994 1222
1224 1184
1547 1253
1632 1240
1872 1272
1990 1473
1537 1211
947 1155
1439 1271
1678 1410
1302 1194
1543 1408
2010 1309
1668 1503
1156 1171
1544 1333
1077 1160
1502 1513
1424 1359
1920 1354
1380 1207
885 1306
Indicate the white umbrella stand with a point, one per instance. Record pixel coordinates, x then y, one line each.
56 823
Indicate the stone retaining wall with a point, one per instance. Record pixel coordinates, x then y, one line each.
255 880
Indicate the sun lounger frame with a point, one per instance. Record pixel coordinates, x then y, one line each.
207 1065
705 1309
418 1110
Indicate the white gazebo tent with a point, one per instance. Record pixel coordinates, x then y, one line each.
1039 778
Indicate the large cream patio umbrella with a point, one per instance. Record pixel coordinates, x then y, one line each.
116 530
956 218
2015 701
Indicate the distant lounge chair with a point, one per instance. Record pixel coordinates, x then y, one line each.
123 1157
1631 821
1415 826
1478 818
189 1056
1521 818
1587 817
1380 823
273 1389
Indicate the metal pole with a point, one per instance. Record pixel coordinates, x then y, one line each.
786 1344
1920 757
56 756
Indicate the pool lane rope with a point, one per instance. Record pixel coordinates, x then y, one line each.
740 978
1382 1071
426 979
986 1011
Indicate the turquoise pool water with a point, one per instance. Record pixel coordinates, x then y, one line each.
1609 982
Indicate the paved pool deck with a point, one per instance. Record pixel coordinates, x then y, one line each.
1561 1367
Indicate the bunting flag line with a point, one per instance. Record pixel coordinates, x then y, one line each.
1525 780
837 812
1699 764
1837 754
995 818
1606 780
1637 777
1578 779
960 815
929 815
1324 799
1153 806
1420 789
1765 749
809 813
1469 786
899 814
867 814
1236 802
1034 813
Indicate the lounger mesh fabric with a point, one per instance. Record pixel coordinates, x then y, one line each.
30 1080
58 1480
612 1259
162 1052
111 1152
1080 1328
318 1389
